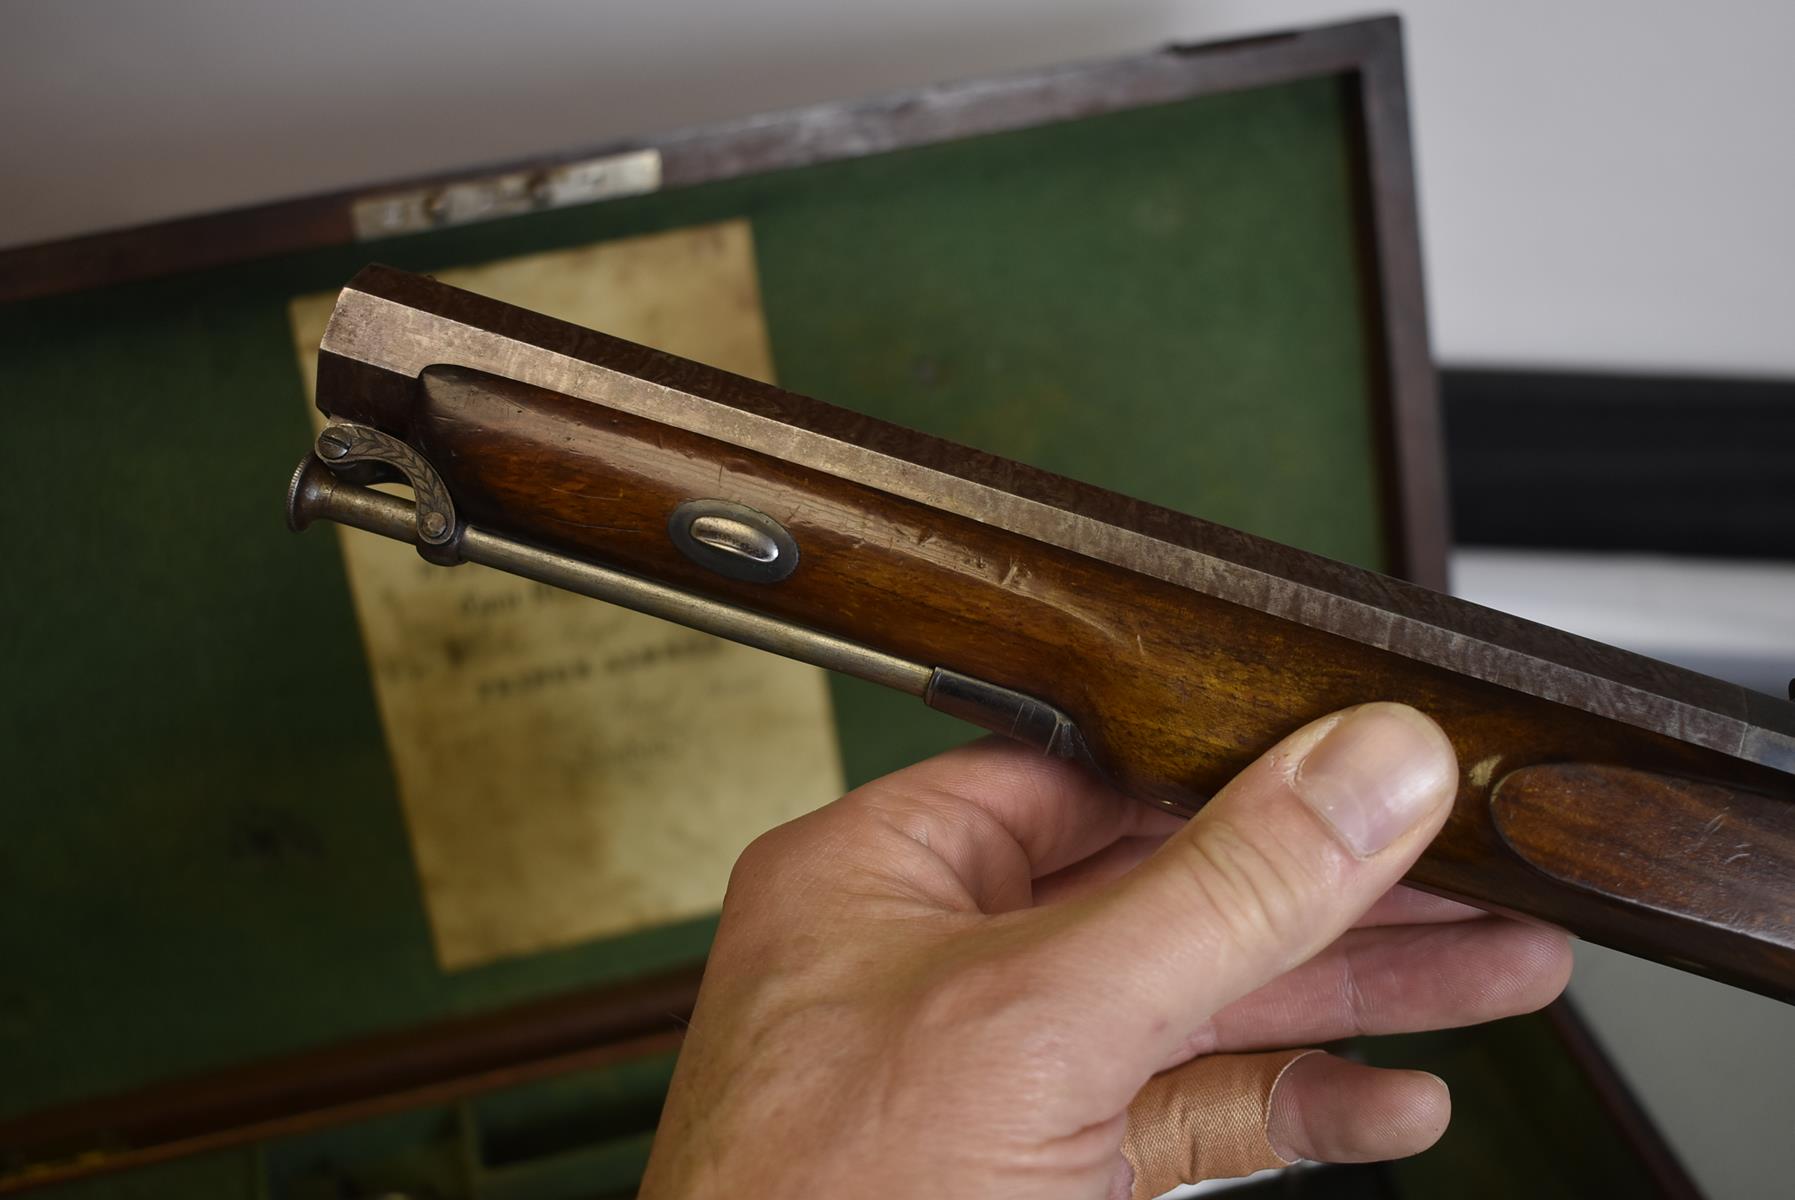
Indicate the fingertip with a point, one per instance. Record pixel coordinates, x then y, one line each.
1375 774
1424 725
1327 1109
1539 962
1293 851
1432 1108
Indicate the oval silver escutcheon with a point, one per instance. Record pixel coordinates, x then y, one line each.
733 540
731 535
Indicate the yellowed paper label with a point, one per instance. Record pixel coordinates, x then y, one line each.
570 770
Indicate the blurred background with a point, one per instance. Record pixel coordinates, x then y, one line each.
1606 192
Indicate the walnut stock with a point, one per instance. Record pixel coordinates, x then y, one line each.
1178 649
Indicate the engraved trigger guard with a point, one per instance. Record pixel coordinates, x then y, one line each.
345 445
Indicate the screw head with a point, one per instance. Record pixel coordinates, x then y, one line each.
433 524
332 444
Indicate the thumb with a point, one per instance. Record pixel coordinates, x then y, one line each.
1274 868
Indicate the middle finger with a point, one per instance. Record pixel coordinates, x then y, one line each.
1396 979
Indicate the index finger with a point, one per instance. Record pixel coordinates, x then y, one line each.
999 815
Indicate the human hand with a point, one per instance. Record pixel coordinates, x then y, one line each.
954 980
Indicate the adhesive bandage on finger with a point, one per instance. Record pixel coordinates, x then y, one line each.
1205 1120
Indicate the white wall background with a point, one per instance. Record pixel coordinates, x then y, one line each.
1603 184
1712 1064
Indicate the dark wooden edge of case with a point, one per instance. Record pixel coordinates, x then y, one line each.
444 1061
1369 53
427 1065
461 1058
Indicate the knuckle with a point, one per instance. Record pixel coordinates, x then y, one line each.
758 859
1259 891
777 863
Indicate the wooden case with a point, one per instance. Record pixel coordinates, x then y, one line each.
1191 275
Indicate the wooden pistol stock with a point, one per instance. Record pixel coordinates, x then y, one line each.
1633 803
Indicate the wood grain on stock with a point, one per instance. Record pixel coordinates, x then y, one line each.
1174 690
1675 845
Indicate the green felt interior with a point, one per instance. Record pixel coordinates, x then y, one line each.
203 854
